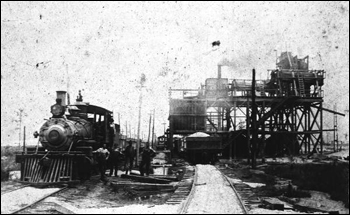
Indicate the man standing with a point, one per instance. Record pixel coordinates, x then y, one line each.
129 157
102 157
114 161
147 154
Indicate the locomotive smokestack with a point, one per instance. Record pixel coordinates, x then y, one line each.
62 95
219 71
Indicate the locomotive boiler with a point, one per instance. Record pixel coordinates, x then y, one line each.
67 139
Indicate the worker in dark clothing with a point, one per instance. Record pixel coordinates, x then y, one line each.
129 157
289 189
102 157
114 161
147 154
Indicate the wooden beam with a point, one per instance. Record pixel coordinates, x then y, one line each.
328 110
146 179
167 177
142 186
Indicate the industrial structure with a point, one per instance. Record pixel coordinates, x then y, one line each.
282 115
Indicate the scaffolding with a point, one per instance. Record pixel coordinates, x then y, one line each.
288 106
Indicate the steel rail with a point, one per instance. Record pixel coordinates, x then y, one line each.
185 205
234 189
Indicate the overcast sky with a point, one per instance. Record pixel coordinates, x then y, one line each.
104 47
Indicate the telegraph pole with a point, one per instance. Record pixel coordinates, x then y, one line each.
20 126
24 139
126 131
138 129
68 96
130 133
142 81
149 127
164 126
154 116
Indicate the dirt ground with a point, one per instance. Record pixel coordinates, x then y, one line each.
96 197
269 185
95 192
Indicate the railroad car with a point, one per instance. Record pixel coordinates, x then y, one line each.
202 149
66 142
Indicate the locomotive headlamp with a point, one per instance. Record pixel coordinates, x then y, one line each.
57 110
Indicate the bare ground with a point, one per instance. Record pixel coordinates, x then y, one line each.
96 197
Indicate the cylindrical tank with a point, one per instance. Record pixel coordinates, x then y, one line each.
57 134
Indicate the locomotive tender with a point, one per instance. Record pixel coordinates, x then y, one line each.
67 140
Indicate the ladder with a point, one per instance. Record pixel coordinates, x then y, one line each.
301 85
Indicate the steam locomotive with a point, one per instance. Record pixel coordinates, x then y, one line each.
68 139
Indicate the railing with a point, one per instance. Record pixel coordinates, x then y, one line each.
242 87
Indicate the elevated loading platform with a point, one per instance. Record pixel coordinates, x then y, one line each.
288 107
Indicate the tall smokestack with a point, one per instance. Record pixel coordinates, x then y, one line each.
62 95
219 71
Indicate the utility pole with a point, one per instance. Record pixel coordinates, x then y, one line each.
164 126
276 57
154 116
335 125
118 118
130 133
24 139
138 129
68 97
142 81
20 126
126 131
149 127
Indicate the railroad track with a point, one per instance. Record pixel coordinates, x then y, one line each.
238 194
185 205
22 198
244 191
190 195
184 187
